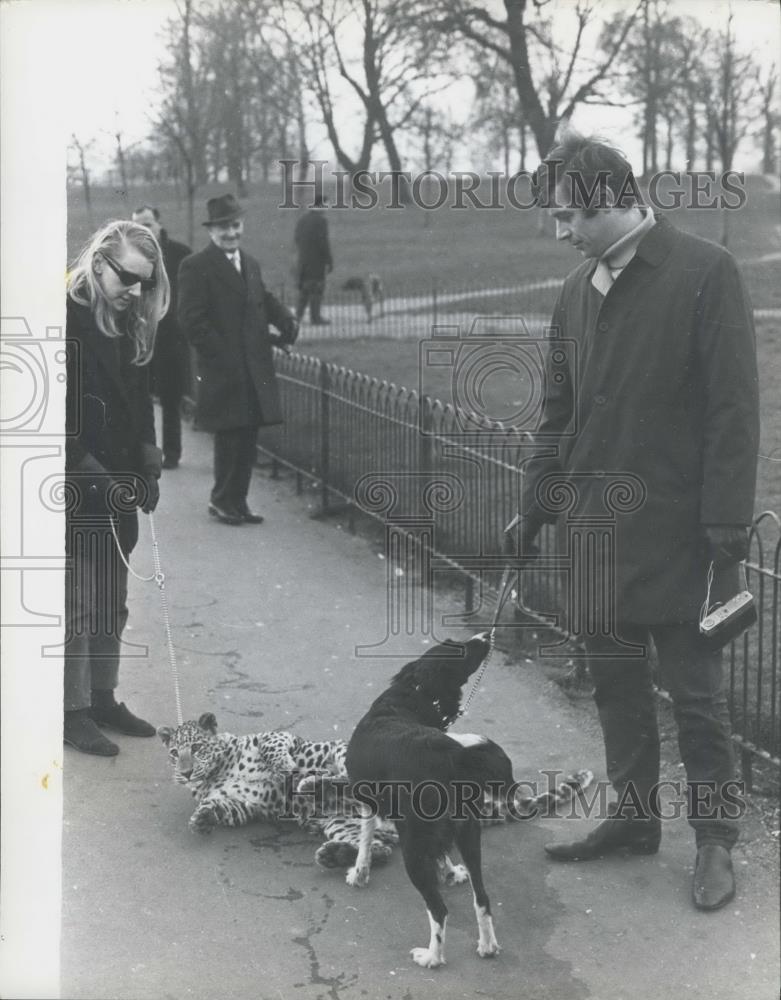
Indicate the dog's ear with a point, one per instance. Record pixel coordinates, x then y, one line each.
208 722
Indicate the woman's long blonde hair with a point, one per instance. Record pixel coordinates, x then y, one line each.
144 313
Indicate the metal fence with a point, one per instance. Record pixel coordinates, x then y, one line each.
404 311
401 313
448 482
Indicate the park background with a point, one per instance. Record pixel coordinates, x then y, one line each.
84 78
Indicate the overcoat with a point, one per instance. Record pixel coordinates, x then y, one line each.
226 317
652 409
314 246
170 364
109 420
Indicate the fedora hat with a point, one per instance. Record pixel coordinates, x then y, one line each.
222 209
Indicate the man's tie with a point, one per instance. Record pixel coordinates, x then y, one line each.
235 258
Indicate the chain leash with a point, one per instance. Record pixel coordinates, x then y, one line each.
159 578
505 589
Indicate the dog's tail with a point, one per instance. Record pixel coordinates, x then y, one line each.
486 770
484 762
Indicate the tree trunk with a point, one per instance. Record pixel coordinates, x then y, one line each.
691 136
769 160
726 227
534 115
522 133
192 186
668 152
85 185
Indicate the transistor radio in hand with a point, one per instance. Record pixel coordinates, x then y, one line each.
724 622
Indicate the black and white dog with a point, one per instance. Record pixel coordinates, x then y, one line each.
403 766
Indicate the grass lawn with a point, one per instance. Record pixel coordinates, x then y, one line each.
412 249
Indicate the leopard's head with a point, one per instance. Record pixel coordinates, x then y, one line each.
193 748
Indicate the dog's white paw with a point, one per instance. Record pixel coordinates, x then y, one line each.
427 958
488 949
358 877
456 875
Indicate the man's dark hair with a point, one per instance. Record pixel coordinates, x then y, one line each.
588 168
148 208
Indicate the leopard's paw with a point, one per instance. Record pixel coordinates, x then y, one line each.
202 822
335 854
380 853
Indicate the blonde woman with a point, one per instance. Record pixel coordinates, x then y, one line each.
117 293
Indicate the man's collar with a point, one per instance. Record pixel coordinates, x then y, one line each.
623 250
658 241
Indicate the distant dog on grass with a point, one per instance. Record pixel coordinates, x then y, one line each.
371 290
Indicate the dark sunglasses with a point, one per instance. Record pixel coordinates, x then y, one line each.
129 278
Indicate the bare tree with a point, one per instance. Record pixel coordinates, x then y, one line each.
395 70
81 151
729 93
659 70
184 117
120 156
497 110
771 119
551 80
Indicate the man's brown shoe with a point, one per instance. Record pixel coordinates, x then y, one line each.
714 879
81 733
613 834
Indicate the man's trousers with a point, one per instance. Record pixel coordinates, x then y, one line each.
625 698
234 458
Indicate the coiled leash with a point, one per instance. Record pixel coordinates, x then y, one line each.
504 592
159 578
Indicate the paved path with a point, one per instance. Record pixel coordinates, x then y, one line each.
266 621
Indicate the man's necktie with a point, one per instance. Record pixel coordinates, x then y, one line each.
235 259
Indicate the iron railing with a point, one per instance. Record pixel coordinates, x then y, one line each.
449 481
401 313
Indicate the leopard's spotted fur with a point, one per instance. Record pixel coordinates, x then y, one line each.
237 779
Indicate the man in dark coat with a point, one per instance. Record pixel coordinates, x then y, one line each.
225 310
314 260
170 364
653 417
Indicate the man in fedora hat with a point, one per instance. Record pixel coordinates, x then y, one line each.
226 310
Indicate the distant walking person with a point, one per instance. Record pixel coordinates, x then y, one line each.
225 311
170 363
314 261
117 292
